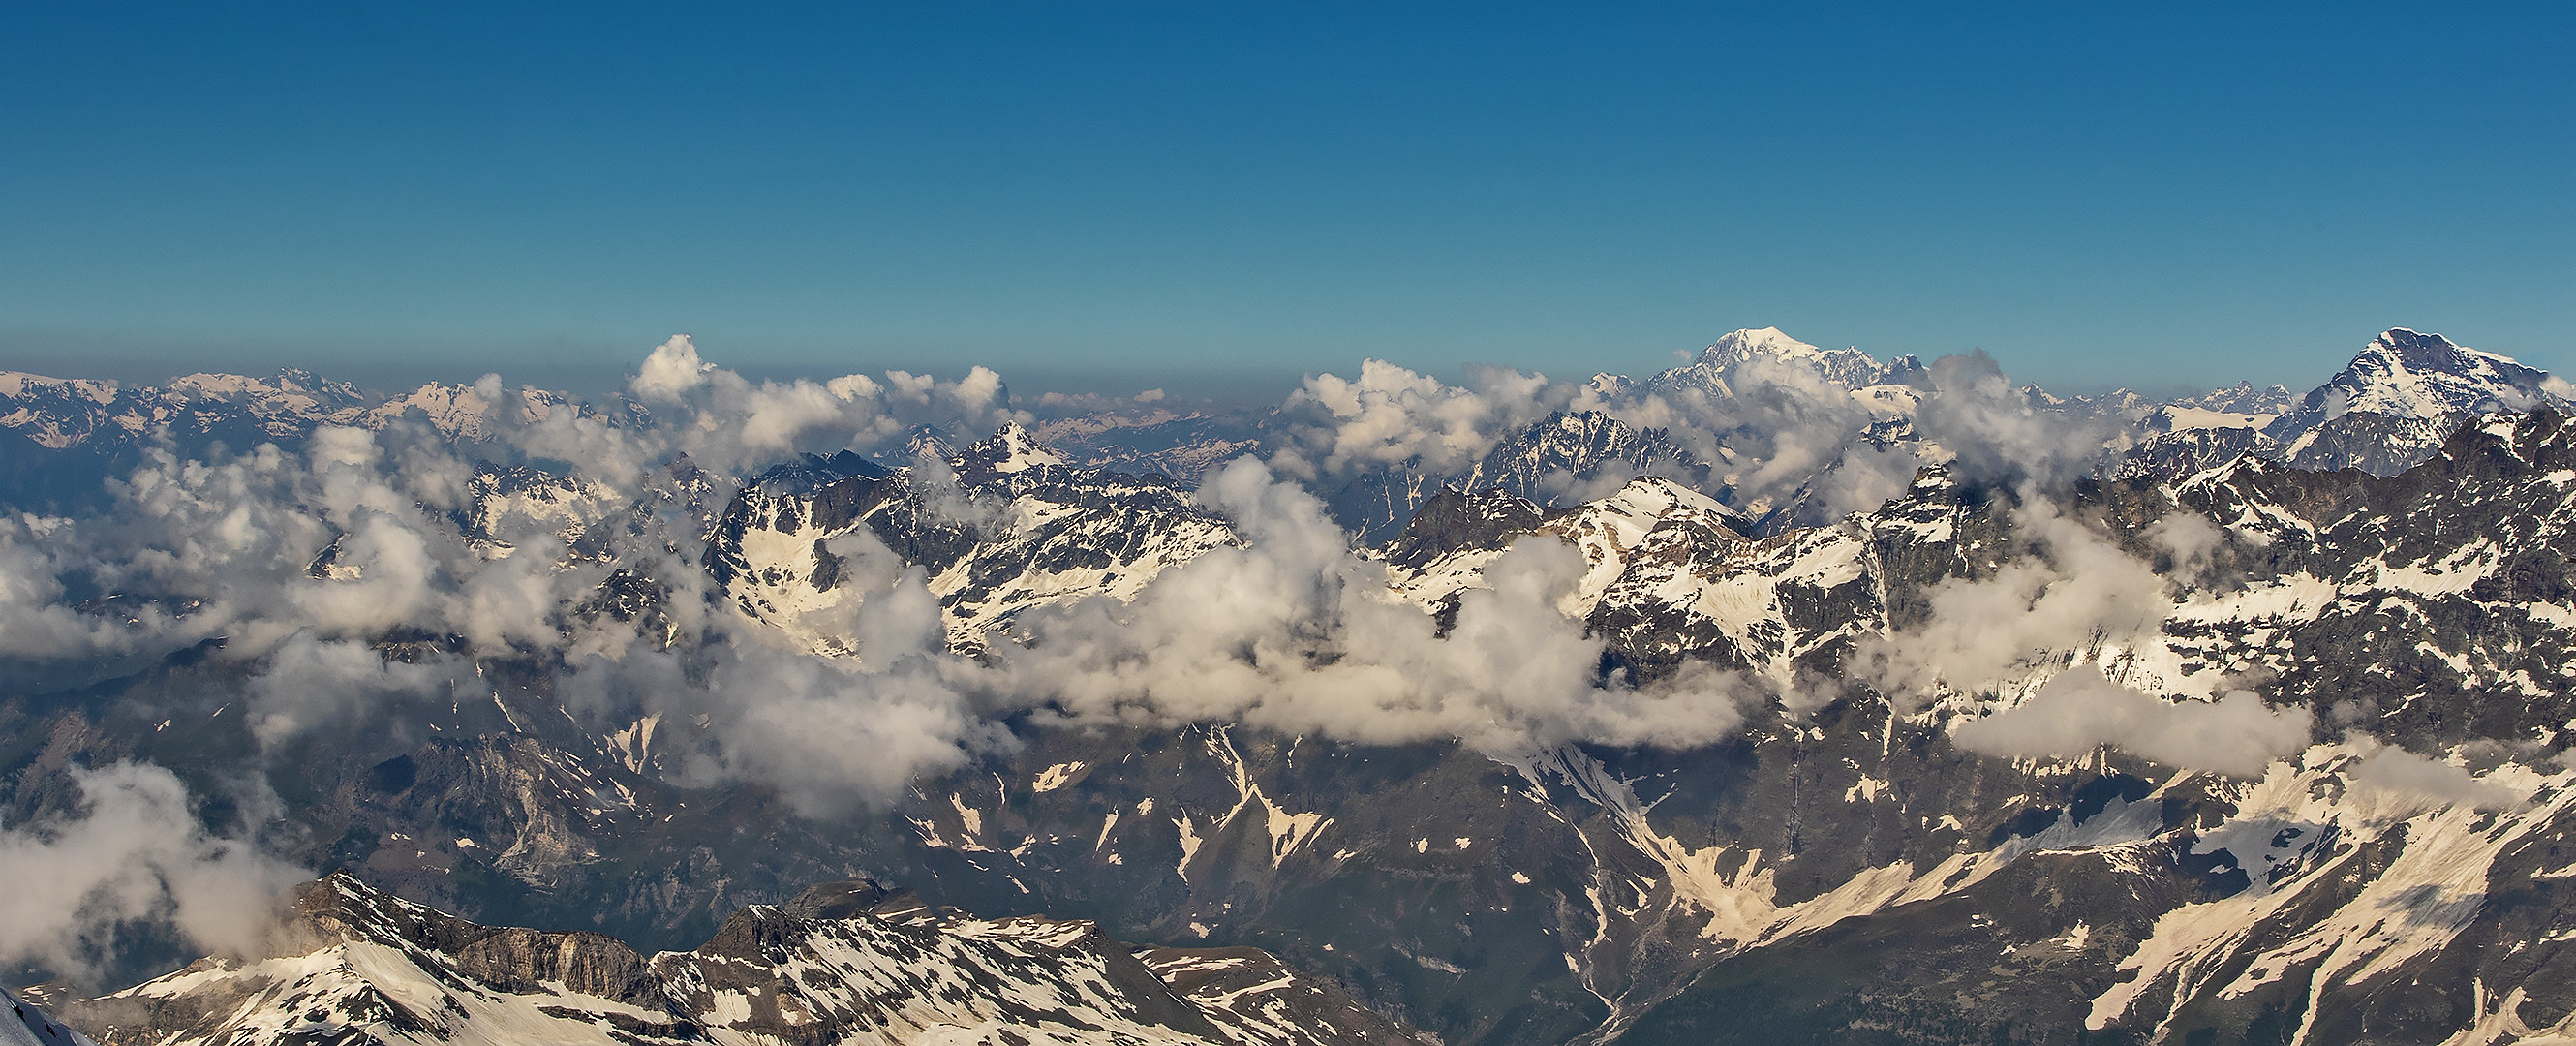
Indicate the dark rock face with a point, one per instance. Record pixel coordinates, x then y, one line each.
2175 455
840 900
1453 521
520 960
2448 622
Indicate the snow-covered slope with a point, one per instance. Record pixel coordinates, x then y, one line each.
2391 407
1009 527
843 963
23 1024
1572 457
1719 366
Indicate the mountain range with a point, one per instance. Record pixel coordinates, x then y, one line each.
1907 706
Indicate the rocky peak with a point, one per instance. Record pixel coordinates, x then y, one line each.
1559 458
516 959
2243 397
838 900
927 441
1010 449
2390 409
1907 370
1611 388
2407 374
339 907
1648 502
1455 519
811 472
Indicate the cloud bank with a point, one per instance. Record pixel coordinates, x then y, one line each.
133 854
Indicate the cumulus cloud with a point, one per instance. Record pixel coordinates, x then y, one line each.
670 371
37 621
1296 632
2074 593
1393 417
132 854
2079 711
296 559
1992 433
308 681
300 560
830 733
2396 771
1293 631
2076 596
1781 434
728 423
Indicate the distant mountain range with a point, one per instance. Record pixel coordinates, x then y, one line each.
2385 411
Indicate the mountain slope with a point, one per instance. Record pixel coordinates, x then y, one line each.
1010 527
2388 409
842 963
26 1025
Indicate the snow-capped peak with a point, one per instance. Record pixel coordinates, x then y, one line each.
1611 388
1648 500
1717 367
1012 449
2407 374
20 383
1743 344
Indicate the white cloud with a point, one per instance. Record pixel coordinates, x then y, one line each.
2079 711
1390 416
2075 593
670 372
2075 596
2390 769
1297 633
133 853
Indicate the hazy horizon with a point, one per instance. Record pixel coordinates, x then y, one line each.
1198 388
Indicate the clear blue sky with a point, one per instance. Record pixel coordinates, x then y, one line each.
2098 194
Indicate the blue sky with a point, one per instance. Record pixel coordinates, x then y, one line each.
1118 195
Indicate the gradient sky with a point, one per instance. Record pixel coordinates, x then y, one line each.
2097 194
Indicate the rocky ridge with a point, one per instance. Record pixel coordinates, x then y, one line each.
1008 527
840 963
